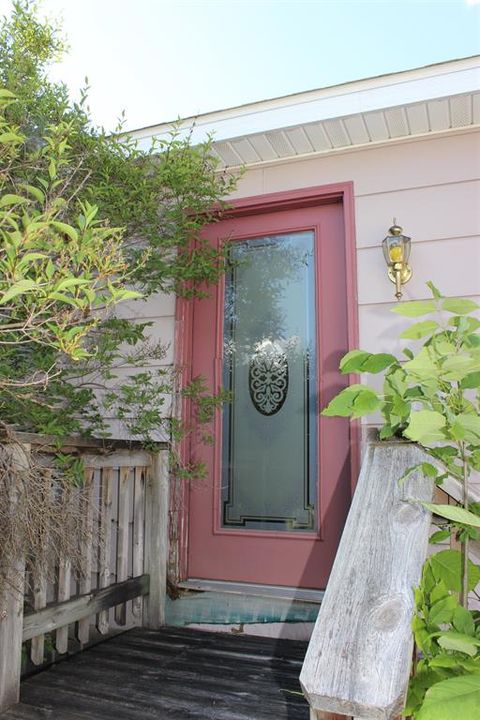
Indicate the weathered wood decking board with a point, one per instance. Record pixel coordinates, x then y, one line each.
171 673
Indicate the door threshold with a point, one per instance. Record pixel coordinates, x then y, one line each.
277 592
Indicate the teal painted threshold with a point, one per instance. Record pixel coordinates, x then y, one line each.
210 603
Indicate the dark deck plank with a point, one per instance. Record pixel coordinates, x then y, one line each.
171 674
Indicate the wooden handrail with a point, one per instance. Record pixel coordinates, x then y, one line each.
50 443
57 615
358 660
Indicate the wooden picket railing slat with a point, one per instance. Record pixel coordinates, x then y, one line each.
37 649
104 574
124 487
85 583
138 533
63 594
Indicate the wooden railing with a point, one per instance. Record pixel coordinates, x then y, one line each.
359 657
123 557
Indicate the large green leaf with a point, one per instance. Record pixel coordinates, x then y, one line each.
442 660
66 229
423 365
361 361
34 191
415 308
426 426
438 592
353 361
419 330
71 282
122 295
463 622
455 513
439 536
19 288
458 642
459 366
447 566
354 401
10 199
466 426
9 137
378 362
471 381
457 698
459 306
442 611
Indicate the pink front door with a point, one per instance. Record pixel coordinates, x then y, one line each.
272 506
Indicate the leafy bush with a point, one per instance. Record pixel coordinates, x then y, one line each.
432 397
87 220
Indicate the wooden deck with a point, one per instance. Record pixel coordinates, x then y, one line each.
171 673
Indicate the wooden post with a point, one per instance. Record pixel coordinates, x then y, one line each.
359 656
11 610
156 539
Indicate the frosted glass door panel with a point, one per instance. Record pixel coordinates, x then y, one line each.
269 473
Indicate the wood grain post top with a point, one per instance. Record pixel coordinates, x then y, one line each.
358 660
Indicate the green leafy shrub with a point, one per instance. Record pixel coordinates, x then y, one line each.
88 220
432 397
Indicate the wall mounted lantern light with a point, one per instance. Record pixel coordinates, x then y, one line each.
396 249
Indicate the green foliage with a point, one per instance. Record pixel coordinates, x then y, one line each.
444 699
432 397
448 637
452 512
87 221
354 401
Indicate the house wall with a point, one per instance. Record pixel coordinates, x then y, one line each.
432 188
430 185
159 311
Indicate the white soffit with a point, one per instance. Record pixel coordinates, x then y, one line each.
433 99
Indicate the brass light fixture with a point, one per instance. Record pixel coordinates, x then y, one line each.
396 249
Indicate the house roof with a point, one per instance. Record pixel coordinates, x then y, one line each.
441 98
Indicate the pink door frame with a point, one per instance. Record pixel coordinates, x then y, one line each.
256 205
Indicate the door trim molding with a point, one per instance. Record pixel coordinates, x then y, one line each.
254 205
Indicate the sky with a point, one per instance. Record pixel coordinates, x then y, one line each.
162 59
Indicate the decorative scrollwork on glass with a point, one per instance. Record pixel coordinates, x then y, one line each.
268 378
